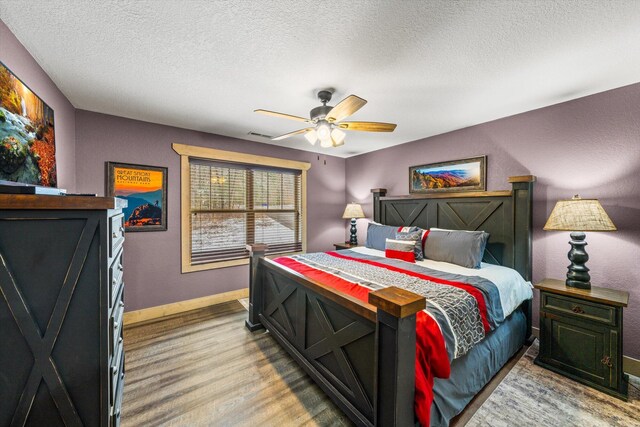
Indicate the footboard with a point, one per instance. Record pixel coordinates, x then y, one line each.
353 350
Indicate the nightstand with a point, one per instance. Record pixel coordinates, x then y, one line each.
345 245
581 335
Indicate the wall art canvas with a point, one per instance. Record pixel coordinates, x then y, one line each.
27 137
145 189
457 175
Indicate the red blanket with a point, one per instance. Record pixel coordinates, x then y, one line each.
431 355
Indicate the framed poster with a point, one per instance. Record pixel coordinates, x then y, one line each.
457 175
27 136
145 189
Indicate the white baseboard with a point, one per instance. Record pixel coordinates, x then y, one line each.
629 364
137 316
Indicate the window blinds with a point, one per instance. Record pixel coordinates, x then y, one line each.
233 205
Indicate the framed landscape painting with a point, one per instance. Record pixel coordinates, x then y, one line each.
457 175
145 189
27 137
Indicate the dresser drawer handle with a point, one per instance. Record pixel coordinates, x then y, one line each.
116 325
121 304
120 340
114 235
606 361
120 267
121 229
577 309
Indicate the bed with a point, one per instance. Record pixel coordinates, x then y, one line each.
361 348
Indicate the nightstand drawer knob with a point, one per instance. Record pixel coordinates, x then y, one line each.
606 360
577 309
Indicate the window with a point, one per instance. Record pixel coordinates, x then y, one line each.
235 199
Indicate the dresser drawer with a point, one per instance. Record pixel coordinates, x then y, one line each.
116 407
115 279
116 371
116 234
580 309
115 328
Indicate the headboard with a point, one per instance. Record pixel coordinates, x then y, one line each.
505 215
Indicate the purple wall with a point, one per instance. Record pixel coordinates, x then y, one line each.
22 64
589 146
152 260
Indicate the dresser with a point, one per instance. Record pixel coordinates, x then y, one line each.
61 308
581 335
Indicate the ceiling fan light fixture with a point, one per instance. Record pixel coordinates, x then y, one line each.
311 136
326 143
338 137
323 130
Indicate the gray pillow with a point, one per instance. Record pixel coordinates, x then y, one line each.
377 235
464 248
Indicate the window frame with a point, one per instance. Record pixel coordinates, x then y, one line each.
187 152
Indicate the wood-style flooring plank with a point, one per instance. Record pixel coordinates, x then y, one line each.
204 368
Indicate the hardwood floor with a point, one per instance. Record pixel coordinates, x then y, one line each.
203 368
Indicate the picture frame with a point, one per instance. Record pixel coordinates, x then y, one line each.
27 134
145 189
468 174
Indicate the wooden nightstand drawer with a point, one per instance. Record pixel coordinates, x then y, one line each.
579 308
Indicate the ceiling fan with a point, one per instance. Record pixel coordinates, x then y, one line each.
326 121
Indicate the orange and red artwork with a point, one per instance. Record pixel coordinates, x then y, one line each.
145 189
27 137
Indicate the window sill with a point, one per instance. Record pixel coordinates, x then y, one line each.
214 265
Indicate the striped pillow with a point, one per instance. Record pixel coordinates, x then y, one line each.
400 249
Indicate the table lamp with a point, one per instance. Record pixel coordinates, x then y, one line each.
353 211
578 215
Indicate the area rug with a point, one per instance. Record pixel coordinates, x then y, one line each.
533 396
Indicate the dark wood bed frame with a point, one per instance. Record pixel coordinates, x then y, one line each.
363 355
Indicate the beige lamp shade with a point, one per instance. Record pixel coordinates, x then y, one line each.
353 210
579 214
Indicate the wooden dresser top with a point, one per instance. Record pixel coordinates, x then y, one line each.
30 201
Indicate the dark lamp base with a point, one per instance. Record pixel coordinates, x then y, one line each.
578 273
354 233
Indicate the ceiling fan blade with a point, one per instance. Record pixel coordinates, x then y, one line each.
368 126
287 135
282 115
345 108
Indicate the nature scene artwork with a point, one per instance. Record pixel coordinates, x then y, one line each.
458 175
27 140
145 189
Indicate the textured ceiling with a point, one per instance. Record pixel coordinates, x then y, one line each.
429 66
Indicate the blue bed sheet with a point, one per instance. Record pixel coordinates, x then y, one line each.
471 372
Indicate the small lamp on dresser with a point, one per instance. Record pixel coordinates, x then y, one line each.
578 215
353 211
